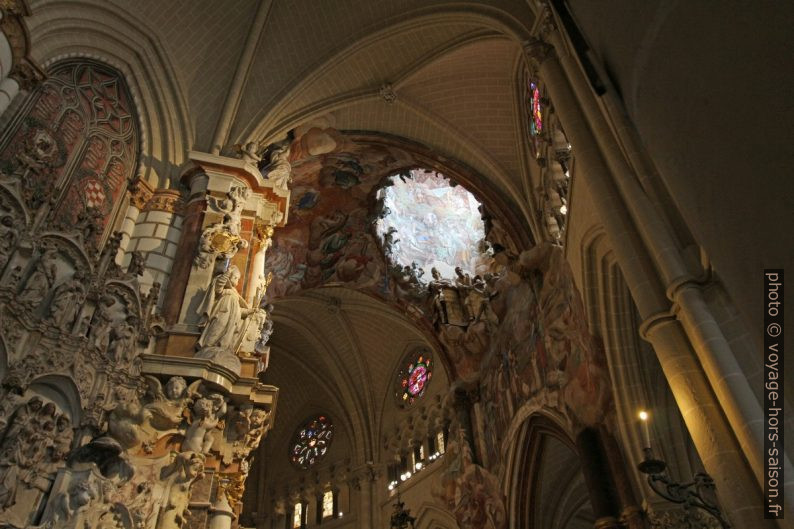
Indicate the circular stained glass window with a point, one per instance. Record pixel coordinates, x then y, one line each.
413 378
312 441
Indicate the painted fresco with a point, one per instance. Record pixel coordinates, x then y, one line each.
330 237
514 329
540 355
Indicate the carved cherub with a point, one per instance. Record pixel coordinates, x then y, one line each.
166 406
206 417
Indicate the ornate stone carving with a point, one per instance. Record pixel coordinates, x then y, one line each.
387 93
279 170
538 50
41 280
140 193
206 416
27 74
223 239
226 318
9 235
67 301
34 442
168 200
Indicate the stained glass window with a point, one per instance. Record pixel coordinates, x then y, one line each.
413 378
328 503
311 441
431 223
535 108
297 514
440 442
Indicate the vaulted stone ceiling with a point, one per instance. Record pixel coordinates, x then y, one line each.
182 62
336 351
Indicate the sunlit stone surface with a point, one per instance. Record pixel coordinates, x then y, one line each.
437 225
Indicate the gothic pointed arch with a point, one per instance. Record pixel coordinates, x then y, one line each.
74 146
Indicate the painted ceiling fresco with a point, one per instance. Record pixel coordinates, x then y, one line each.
331 237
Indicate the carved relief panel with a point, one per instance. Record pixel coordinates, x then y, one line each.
75 145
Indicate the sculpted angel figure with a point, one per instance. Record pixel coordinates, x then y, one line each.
166 404
207 414
223 310
232 208
186 468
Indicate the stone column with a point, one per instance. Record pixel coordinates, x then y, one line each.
722 369
712 434
221 514
139 194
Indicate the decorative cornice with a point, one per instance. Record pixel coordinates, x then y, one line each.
140 193
169 200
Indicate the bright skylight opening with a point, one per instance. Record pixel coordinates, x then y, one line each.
432 223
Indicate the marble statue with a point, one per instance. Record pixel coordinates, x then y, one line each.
102 327
279 170
41 280
67 300
223 311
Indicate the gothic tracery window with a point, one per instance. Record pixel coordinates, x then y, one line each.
311 441
76 144
534 106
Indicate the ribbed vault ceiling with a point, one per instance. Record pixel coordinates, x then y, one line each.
455 68
335 351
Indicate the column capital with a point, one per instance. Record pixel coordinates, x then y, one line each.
140 192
